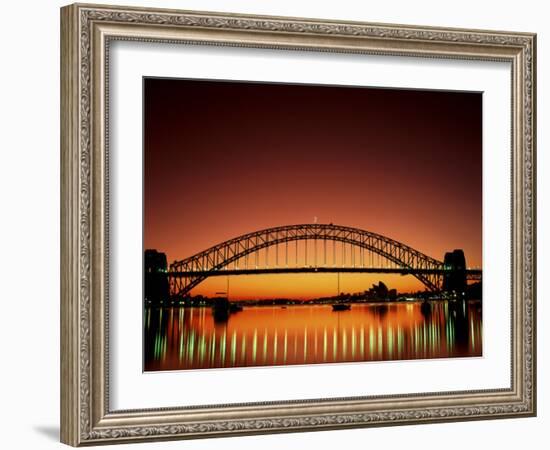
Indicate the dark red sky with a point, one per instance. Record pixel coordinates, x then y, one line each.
226 158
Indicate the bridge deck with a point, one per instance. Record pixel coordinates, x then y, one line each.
470 273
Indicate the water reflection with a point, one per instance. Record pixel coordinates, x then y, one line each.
192 338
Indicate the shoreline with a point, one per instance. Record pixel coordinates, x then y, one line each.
253 303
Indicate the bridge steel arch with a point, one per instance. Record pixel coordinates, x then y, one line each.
221 255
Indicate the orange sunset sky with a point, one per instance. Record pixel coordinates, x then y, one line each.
223 159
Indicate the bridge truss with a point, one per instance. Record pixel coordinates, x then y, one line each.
366 252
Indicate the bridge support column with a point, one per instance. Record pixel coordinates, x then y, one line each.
454 279
156 285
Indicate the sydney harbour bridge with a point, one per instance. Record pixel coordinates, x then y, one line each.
319 248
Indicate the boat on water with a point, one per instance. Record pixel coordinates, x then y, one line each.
222 308
341 307
233 307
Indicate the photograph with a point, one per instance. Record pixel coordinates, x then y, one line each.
295 224
274 221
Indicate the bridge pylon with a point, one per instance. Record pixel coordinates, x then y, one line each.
454 278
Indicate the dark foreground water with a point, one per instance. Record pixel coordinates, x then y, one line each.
189 338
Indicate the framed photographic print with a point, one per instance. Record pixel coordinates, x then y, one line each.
275 224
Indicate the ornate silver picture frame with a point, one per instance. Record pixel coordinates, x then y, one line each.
87 32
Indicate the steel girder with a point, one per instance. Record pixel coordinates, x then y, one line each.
221 255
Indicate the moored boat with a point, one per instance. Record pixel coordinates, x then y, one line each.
341 306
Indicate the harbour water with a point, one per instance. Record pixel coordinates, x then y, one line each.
178 337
